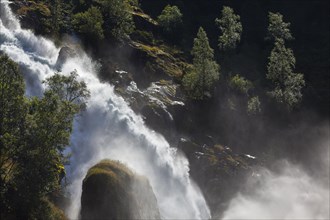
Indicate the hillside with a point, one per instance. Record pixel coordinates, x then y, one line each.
201 98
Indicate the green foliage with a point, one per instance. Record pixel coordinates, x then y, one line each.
240 84
205 72
33 135
89 22
118 19
231 29
47 211
69 89
12 114
38 14
287 84
277 28
61 16
253 105
170 18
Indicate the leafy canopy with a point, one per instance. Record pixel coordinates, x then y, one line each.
231 29
205 72
33 134
90 23
69 89
118 19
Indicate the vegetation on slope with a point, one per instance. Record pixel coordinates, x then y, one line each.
274 57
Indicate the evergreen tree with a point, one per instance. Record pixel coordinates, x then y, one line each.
170 18
205 72
287 84
231 29
277 28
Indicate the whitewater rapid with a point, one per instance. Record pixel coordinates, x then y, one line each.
107 129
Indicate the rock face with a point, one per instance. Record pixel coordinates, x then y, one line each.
218 171
112 191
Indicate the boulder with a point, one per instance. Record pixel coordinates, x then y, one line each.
64 54
112 191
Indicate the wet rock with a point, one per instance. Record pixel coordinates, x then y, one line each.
113 191
64 54
158 103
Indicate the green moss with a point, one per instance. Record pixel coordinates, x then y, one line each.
111 190
163 58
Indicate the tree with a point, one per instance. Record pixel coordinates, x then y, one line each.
12 115
231 29
287 84
69 89
281 63
205 72
90 23
34 133
170 18
118 19
277 28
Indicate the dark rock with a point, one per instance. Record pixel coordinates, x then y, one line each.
112 191
159 104
64 54
143 21
217 170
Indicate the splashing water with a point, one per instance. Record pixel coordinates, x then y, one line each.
289 194
108 128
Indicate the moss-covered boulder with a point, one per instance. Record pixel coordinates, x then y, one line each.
113 191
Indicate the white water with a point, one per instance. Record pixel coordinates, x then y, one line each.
290 194
108 128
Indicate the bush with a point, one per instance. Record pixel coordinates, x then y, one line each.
240 84
253 105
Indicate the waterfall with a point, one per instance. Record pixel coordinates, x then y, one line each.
107 129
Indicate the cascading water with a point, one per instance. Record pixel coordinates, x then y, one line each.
108 128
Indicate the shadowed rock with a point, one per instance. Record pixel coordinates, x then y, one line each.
64 54
112 191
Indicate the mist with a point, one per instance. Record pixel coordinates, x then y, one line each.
285 191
